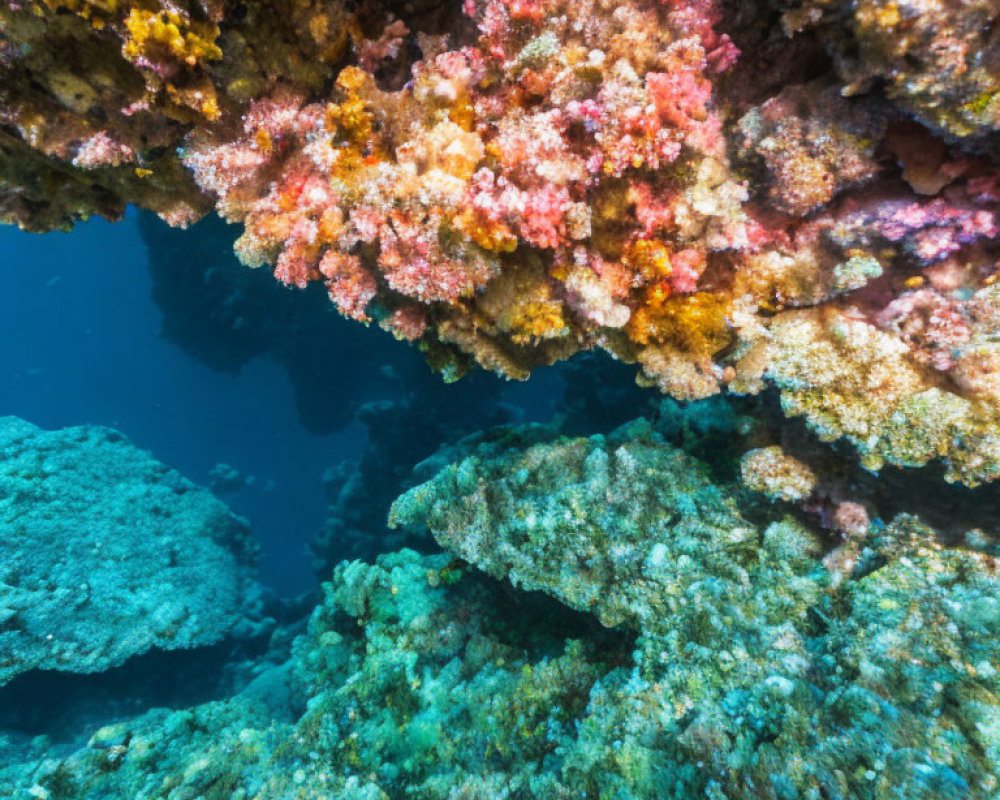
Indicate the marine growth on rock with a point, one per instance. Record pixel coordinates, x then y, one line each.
106 553
785 214
799 195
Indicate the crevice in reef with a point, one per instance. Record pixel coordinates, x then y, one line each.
769 59
951 509
540 625
67 707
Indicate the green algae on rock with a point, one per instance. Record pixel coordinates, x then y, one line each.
106 553
418 677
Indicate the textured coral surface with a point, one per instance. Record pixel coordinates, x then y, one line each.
794 194
106 553
795 202
743 663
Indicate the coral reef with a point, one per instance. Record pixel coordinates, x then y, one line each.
796 202
106 553
692 187
745 663
753 661
590 520
97 95
401 433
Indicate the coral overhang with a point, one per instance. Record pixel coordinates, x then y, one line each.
508 182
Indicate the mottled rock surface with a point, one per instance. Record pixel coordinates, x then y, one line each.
106 553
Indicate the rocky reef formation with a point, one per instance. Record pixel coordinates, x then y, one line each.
408 437
106 553
939 61
761 671
749 656
801 195
792 199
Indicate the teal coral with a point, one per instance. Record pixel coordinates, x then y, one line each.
593 522
106 553
741 669
751 661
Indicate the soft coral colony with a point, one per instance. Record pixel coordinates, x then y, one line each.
508 182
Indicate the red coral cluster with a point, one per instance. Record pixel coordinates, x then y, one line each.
581 142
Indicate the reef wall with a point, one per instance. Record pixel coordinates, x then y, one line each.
798 195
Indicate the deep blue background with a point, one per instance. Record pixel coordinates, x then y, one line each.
80 344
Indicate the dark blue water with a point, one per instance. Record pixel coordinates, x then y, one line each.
80 344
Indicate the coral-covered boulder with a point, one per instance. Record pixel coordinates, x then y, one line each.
418 676
621 526
106 553
759 671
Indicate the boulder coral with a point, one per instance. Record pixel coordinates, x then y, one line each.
774 195
105 553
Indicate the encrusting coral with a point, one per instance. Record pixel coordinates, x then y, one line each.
757 675
105 553
937 60
508 182
776 474
800 196
745 664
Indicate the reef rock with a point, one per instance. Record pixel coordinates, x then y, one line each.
699 188
618 526
106 553
759 672
419 676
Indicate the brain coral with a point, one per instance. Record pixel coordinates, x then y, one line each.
106 553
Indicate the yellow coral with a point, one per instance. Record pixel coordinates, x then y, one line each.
96 12
497 237
535 320
184 39
650 258
350 119
695 323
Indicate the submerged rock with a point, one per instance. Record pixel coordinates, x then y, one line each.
738 668
760 671
106 553
620 526
418 677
